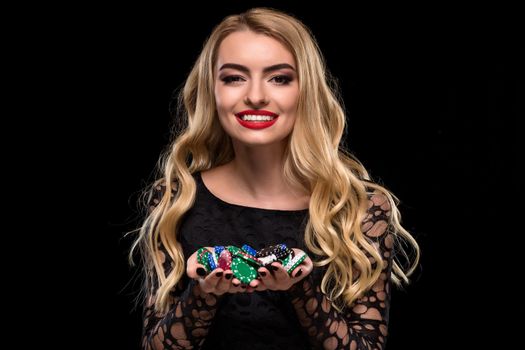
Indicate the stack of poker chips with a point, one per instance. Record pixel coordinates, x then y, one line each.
245 261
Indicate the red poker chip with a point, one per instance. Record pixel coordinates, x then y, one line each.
225 260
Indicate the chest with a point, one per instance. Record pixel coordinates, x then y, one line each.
212 225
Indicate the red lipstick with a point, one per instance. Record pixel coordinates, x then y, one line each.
256 124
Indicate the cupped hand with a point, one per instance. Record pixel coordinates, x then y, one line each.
280 279
217 281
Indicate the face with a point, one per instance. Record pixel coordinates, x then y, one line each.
255 78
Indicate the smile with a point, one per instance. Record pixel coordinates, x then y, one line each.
256 119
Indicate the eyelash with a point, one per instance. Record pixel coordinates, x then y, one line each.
229 79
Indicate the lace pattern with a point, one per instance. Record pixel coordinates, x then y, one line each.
362 325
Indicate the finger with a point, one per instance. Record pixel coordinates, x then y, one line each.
235 286
236 282
215 276
228 274
211 281
272 269
263 272
201 271
225 282
267 278
280 273
297 272
196 271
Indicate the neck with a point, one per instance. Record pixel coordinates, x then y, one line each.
258 171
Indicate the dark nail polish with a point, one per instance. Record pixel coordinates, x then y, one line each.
274 268
201 271
262 273
243 286
228 276
236 284
299 273
218 274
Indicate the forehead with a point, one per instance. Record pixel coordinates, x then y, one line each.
253 50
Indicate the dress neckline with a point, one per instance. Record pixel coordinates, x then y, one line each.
217 199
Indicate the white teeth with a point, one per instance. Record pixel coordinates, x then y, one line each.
257 117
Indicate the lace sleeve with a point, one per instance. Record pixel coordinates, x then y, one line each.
362 325
191 312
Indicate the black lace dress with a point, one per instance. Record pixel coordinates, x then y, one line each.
300 318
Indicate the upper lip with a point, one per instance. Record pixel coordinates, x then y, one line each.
256 112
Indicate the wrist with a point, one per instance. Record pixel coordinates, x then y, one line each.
297 290
210 298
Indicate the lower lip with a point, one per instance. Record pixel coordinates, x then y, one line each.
256 125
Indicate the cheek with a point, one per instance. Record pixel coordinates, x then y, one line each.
219 99
287 98
226 98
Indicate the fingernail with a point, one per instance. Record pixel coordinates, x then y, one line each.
299 273
201 271
236 284
228 276
274 268
218 274
256 286
262 273
243 286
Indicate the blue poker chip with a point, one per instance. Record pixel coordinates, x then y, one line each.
218 250
249 250
211 262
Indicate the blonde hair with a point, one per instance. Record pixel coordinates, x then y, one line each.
315 162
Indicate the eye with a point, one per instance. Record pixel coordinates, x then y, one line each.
282 79
232 79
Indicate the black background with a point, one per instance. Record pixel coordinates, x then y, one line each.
431 96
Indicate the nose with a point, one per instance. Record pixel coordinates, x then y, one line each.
255 96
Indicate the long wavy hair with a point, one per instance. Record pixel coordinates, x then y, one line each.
315 162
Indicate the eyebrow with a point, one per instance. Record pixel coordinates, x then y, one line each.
265 70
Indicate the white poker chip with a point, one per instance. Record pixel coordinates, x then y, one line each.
296 261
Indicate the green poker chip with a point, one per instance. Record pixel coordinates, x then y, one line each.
243 271
253 261
203 255
234 250
296 263
287 260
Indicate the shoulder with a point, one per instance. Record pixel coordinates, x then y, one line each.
378 200
377 217
157 191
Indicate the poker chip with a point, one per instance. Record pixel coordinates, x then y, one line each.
203 258
281 251
225 260
234 250
244 262
218 250
212 262
293 263
246 248
252 260
243 271
286 260
265 252
267 260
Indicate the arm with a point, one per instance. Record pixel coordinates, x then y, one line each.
364 324
191 312
187 322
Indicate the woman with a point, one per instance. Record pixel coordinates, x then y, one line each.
258 161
